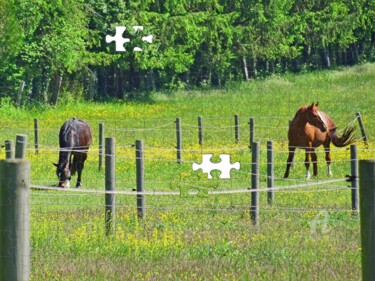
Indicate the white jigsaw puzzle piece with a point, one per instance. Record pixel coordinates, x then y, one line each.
120 41
148 38
225 169
224 166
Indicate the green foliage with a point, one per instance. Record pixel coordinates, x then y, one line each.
196 43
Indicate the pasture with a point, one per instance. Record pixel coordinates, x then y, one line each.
308 233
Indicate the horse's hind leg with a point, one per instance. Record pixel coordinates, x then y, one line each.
79 162
289 162
314 158
328 159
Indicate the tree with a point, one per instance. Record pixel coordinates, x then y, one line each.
10 38
54 41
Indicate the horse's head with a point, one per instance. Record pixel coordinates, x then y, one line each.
63 174
315 117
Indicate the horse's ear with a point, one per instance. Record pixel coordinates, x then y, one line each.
54 164
317 103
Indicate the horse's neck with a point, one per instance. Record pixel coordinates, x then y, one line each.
64 157
301 118
328 121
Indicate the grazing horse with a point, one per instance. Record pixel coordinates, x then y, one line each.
311 128
74 139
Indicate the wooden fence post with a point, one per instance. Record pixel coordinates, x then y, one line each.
179 140
14 220
363 131
254 209
110 185
9 149
354 175
251 132
36 135
21 142
56 92
101 144
200 130
19 93
236 128
270 171
141 201
367 217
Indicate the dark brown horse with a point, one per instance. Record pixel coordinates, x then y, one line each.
311 128
74 139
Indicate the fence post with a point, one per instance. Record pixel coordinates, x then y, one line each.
21 142
36 135
19 93
270 171
9 149
354 175
14 220
367 217
101 142
141 201
179 139
254 209
110 185
236 128
55 95
200 130
363 131
251 132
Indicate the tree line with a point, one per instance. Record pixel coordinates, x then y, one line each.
195 43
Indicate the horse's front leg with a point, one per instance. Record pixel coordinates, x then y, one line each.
314 159
307 162
289 162
67 180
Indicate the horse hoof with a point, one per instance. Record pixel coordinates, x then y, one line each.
78 185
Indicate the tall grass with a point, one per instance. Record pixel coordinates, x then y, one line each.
307 234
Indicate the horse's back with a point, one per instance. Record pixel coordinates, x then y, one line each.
75 133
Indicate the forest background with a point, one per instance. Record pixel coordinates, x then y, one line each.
196 44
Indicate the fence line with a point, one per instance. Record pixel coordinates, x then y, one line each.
94 149
210 192
139 129
200 132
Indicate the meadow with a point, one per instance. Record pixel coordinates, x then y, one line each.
308 233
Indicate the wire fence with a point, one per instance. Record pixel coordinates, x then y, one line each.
182 206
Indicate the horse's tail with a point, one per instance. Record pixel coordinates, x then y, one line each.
345 139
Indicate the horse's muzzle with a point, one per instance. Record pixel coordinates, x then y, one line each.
65 183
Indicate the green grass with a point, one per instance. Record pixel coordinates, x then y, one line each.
308 233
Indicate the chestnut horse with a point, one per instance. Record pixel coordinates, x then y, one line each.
311 128
74 140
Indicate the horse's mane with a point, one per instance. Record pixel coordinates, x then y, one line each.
300 110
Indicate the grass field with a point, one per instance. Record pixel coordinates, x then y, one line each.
309 233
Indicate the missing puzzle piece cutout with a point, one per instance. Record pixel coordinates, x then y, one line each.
120 41
224 166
